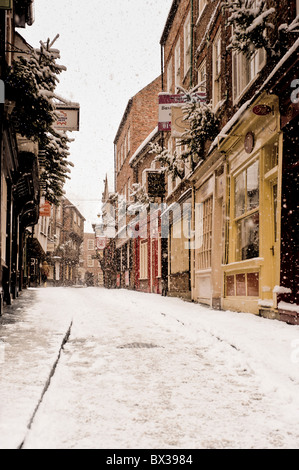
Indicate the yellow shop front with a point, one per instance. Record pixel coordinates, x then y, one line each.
253 152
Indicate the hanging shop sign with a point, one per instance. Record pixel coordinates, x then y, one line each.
249 142
5 4
45 210
178 124
166 101
261 110
68 117
155 183
101 243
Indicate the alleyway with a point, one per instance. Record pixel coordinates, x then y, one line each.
113 369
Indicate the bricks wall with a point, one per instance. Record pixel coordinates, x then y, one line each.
141 117
95 269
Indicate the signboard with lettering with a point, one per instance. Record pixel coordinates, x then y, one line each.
45 210
166 101
155 184
178 124
68 118
5 4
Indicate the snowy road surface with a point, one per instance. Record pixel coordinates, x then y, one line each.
144 371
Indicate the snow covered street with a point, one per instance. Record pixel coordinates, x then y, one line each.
90 368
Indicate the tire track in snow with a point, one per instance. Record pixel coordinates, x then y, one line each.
222 340
47 385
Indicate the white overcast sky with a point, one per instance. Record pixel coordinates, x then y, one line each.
111 51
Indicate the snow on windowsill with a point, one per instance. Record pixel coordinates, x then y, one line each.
265 303
288 306
282 290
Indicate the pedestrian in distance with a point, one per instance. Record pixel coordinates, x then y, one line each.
45 273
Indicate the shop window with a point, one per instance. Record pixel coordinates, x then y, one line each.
3 216
246 213
242 285
204 231
248 237
179 243
143 260
159 257
271 156
253 284
230 285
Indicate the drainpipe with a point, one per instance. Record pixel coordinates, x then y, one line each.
162 67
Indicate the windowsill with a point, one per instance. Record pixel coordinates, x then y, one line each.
271 173
247 264
242 297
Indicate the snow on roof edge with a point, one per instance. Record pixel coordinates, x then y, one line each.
143 144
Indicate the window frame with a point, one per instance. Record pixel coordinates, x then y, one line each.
246 213
143 264
216 64
201 6
202 69
177 64
89 244
90 261
187 44
205 233
253 65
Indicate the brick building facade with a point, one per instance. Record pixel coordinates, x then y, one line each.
139 120
90 266
238 193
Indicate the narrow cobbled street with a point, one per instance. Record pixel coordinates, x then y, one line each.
98 368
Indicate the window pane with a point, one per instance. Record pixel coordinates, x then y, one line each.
240 284
248 237
240 194
230 285
274 196
253 186
253 284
